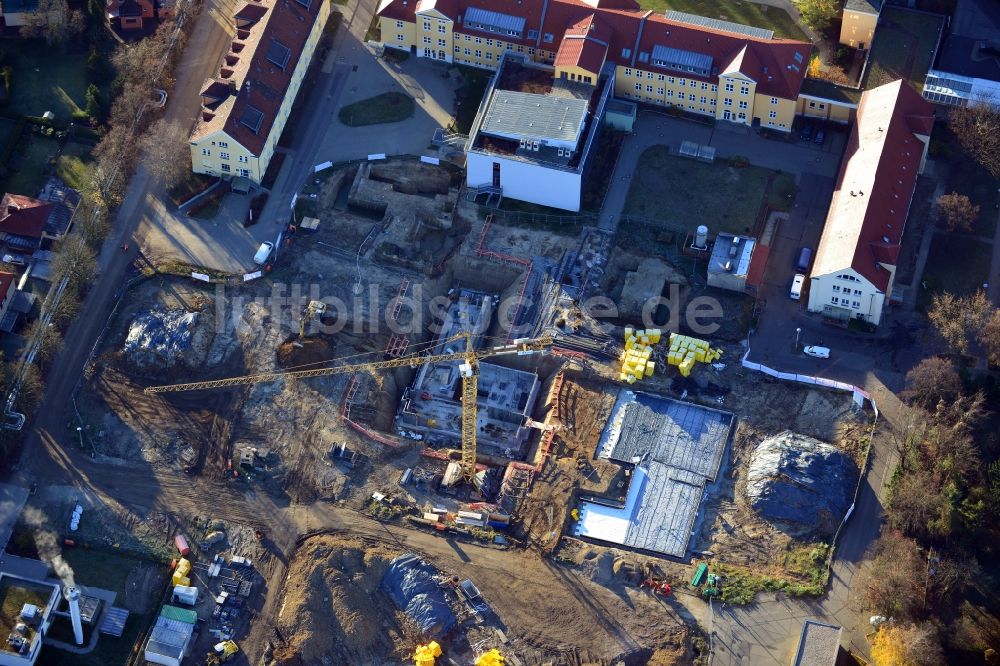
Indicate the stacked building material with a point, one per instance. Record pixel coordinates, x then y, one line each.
637 361
685 351
181 572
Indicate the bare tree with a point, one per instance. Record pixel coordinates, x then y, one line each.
932 380
957 211
893 583
907 645
75 259
50 342
977 127
166 152
989 337
54 22
957 319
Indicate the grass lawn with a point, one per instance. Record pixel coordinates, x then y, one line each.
109 570
688 193
956 264
903 48
28 167
13 596
73 164
46 79
966 176
390 107
737 11
7 126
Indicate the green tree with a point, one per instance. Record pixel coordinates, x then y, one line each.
98 68
95 108
818 14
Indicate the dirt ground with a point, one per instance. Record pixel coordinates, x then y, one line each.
333 610
583 408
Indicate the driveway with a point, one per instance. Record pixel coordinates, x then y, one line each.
428 82
219 244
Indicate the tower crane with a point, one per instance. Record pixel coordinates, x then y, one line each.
468 369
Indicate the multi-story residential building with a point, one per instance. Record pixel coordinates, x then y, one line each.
727 71
245 107
858 21
856 259
968 63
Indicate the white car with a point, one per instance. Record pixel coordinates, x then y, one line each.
263 253
817 352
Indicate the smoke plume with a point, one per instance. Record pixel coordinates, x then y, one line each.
47 544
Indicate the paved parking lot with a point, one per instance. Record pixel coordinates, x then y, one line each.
426 81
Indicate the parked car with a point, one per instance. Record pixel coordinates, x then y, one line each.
820 137
263 253
816 351
797 282
806 133
803 259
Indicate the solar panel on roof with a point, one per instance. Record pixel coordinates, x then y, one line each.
278 53
685 61
484 19
720 25
252 117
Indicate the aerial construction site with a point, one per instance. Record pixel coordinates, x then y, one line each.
413 428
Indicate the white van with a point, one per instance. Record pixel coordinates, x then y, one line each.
797 283
263 253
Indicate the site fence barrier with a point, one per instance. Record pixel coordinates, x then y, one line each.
859 395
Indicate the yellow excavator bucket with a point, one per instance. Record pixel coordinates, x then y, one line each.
491 658
425 655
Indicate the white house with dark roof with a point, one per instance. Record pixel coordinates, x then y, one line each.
855 264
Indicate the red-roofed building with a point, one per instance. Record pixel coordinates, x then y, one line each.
245 107
7 291
728 71
131 15
22 221
856 259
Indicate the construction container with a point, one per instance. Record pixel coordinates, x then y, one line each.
182 545
185 595
432 517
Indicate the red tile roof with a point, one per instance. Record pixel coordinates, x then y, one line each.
875 185
262 84
6 282
584 44
629 32
400 10
23 216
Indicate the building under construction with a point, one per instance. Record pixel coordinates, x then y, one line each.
431 408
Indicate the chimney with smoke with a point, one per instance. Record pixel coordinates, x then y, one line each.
72 594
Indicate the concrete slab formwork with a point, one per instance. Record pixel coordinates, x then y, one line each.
677 449
431 407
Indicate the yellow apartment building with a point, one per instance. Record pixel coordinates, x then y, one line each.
246 105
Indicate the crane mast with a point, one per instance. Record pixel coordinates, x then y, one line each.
468 369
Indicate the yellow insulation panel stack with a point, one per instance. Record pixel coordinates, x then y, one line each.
637 360
685 351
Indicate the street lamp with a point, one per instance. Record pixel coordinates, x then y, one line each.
79 432
798 331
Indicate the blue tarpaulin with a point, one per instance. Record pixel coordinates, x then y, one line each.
410 583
